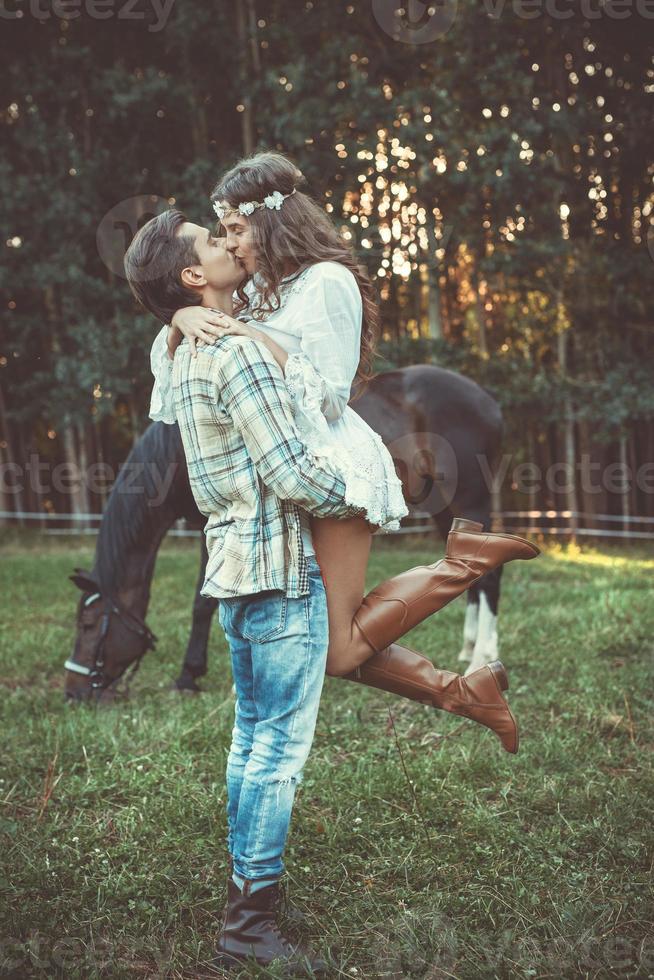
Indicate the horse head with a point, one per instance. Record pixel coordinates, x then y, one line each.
109 640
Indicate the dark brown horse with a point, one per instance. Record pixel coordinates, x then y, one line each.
444 433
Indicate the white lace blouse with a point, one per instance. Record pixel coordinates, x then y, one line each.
319 324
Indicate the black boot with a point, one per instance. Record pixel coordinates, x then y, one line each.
251 932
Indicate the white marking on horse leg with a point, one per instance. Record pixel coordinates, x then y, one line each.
469 632
486 643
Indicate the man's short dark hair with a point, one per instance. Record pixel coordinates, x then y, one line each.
154 262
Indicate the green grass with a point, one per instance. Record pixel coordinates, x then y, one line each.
485 865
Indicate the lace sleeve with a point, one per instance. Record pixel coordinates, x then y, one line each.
319 378
307 391
162 406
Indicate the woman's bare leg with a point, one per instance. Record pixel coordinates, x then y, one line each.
342 547
342 550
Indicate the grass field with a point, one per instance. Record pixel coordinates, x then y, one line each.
418 847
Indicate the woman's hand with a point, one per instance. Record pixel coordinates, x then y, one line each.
232 326
196 323
228 325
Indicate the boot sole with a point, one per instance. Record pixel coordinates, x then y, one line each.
516 537
223 961
514 750
498 671
501 679
228 962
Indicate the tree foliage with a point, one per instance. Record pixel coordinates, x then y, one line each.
497 181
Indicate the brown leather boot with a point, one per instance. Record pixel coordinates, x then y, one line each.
288 912
251 932
478 696
395 606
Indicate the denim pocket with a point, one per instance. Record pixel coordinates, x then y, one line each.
261 618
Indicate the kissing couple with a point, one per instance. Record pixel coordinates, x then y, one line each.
268 320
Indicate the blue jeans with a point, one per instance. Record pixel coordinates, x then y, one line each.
278 648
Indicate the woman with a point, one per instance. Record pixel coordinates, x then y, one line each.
316 307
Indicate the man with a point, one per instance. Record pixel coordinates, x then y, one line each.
251 475
245 460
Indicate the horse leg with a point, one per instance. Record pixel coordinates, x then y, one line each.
480 645
195 660
486 647
470 625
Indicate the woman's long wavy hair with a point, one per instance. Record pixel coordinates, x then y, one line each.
295 237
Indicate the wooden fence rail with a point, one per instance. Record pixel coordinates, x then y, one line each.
530 523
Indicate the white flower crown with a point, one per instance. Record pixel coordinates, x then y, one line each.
274 200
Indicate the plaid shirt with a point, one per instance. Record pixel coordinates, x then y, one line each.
249 472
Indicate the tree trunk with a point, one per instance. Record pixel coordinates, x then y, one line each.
625 496
496 506
246 69
255 57
434 324
532 457
646 441
447 320
32 498
549 455
592 494
572 502
478 312
99 456
83 454
134 419
75 457
10 501
633 463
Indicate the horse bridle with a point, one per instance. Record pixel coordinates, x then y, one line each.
96 672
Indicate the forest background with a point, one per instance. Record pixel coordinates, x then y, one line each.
491 163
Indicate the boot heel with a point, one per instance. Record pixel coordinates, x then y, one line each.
463 524
500 673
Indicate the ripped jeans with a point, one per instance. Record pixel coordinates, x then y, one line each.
278 648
